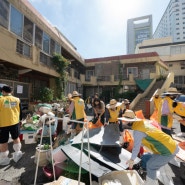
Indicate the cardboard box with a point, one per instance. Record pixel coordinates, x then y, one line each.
64 180
29 138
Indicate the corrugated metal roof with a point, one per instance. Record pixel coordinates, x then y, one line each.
74 153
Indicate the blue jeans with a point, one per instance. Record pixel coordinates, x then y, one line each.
156 162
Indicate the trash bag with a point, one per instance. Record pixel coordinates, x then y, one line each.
128 140
139 114
92 125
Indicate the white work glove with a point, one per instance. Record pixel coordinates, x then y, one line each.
105 124
130 164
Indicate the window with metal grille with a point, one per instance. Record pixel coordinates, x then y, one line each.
45 59
182 65
76 74
4 13
23 48
28 30
132 70
88 74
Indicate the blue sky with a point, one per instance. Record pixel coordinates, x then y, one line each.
97 28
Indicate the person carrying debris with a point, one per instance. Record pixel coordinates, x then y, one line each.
99 110
114 110
78 112
161 146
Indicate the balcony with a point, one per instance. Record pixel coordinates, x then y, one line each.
110 80
103 78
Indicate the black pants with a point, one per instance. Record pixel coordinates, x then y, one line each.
182 128
95 119
74 125
167 131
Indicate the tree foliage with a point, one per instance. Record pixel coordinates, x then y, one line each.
61 65
46 94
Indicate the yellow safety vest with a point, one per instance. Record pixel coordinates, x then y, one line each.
79 107
180 109
9 110
157 108
157 103
114 114
156 141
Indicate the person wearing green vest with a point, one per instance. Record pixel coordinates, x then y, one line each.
161 145
10 117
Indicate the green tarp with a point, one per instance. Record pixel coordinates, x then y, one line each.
143 84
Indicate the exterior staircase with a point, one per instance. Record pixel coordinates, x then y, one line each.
141 105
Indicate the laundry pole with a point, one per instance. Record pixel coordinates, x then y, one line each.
81 151
50 137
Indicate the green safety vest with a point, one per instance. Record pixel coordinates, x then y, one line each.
156 141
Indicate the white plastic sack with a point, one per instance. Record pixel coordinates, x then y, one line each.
111 182
65 121
89 106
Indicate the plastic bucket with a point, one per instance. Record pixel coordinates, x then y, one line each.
45 155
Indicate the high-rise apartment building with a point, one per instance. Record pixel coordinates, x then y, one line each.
138 29
172 22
